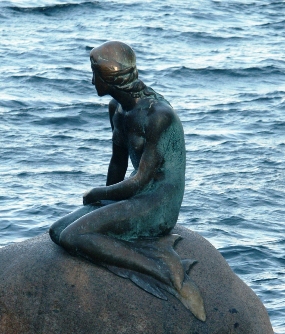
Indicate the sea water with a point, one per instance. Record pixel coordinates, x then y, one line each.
221 65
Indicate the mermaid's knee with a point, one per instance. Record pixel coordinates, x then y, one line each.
67 240
54 234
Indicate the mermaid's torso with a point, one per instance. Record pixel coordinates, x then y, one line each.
131 130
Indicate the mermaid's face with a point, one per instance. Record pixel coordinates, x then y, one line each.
100 85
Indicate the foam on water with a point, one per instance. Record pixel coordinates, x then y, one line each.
221 64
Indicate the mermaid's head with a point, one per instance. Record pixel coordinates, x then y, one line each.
115 64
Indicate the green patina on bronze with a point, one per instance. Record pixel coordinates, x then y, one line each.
126 225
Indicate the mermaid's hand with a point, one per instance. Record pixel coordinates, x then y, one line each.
90 197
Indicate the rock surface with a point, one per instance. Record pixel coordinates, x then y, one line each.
45 290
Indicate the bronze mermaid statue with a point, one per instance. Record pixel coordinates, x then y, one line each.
126 225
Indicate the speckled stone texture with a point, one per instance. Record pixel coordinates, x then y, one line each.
45 290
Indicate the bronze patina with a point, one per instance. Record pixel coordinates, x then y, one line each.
125 226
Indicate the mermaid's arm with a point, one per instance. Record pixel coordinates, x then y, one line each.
118 165
150 162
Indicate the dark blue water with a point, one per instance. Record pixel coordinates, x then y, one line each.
221 64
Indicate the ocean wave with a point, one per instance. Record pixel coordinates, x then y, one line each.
246 7
252 96
275 25
60 121
62 137
247 253
276 6
55 8
38 79
280 125
13 104
53 172
260 71
208 37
